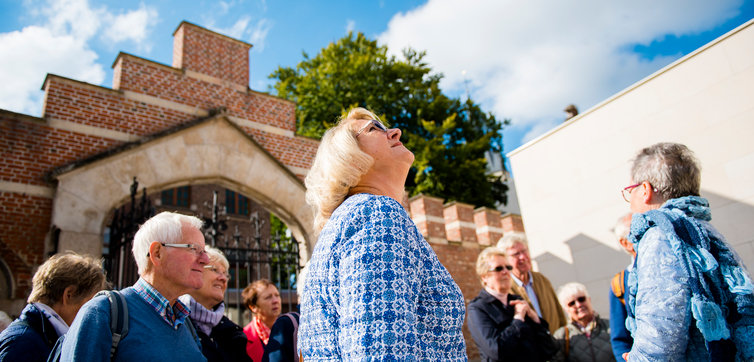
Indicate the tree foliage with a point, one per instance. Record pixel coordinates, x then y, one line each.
448 137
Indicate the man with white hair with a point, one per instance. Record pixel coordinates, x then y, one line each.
538 288
620 337
169 252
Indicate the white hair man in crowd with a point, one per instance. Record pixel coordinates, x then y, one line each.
620 338
538 288
169 252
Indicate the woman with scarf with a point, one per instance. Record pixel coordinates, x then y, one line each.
587 337
263 300
59 288
689 296
222 340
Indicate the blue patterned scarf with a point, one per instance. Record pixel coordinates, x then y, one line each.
722 300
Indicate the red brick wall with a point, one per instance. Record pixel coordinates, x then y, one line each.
210 53
24 223
461 263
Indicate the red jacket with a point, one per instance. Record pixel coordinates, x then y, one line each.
255 346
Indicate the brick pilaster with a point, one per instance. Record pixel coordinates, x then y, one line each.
459 222
488 225
427 214
512 223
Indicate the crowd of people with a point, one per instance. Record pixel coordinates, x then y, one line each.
375 290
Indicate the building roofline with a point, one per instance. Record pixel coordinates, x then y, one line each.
632 87
241 42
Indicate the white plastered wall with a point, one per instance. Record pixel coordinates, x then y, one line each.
569 180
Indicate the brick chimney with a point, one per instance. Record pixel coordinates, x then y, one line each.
459 222
488 226
204 51
427 214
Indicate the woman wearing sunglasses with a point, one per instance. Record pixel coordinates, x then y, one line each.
503 324
375 289
222 340
587 337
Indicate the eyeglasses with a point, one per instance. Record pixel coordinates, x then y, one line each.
374 123
194 248
519 254
580 299
626 192
500 268
217 271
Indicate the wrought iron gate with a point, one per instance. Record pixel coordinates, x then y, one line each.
250 257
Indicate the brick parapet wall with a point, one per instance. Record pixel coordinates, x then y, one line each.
459 222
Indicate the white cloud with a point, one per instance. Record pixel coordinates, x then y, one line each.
235 31
350 25
60 44
527 60
259 34
134 25
41 52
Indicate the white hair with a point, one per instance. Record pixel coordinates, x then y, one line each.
165 228
511 239
338 166
569 290
623 227
215 255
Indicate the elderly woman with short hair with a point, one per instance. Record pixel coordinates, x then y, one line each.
587 337
689 296
504 325
59 288
375 288
222 340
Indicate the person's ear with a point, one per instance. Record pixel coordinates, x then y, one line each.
68 294
155 253
646 192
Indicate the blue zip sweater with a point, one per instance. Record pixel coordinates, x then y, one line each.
149 338
28 344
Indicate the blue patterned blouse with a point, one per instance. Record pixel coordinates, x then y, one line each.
375 290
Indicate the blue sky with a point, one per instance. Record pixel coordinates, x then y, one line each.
523 60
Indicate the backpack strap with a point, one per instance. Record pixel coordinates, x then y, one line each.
118 317
192 329
567 343
293 316
618 286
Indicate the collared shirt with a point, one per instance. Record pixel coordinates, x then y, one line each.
178 312
529 287
61 327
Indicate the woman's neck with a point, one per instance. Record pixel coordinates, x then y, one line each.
585 321
268 321
393 193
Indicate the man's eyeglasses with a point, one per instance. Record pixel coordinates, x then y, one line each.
374 123
194 248
626 192
217 271
500 268
580 299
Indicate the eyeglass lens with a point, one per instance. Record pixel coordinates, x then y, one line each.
580 299
501 267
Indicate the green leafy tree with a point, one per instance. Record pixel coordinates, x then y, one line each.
448 137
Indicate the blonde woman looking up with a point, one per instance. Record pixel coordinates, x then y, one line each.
375 287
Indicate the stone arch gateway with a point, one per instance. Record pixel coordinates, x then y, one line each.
209 150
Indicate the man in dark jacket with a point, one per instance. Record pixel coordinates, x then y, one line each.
226 342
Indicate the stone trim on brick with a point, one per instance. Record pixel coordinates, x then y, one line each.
26 189
213 33
91 130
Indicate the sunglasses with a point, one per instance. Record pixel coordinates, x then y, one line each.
374 123
500 268
580 299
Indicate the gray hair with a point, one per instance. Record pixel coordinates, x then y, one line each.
215 255
338 166
671 168
83 272
484 257
509 240
569 290
165 228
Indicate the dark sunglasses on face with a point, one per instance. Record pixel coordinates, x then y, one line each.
580 299
500 268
